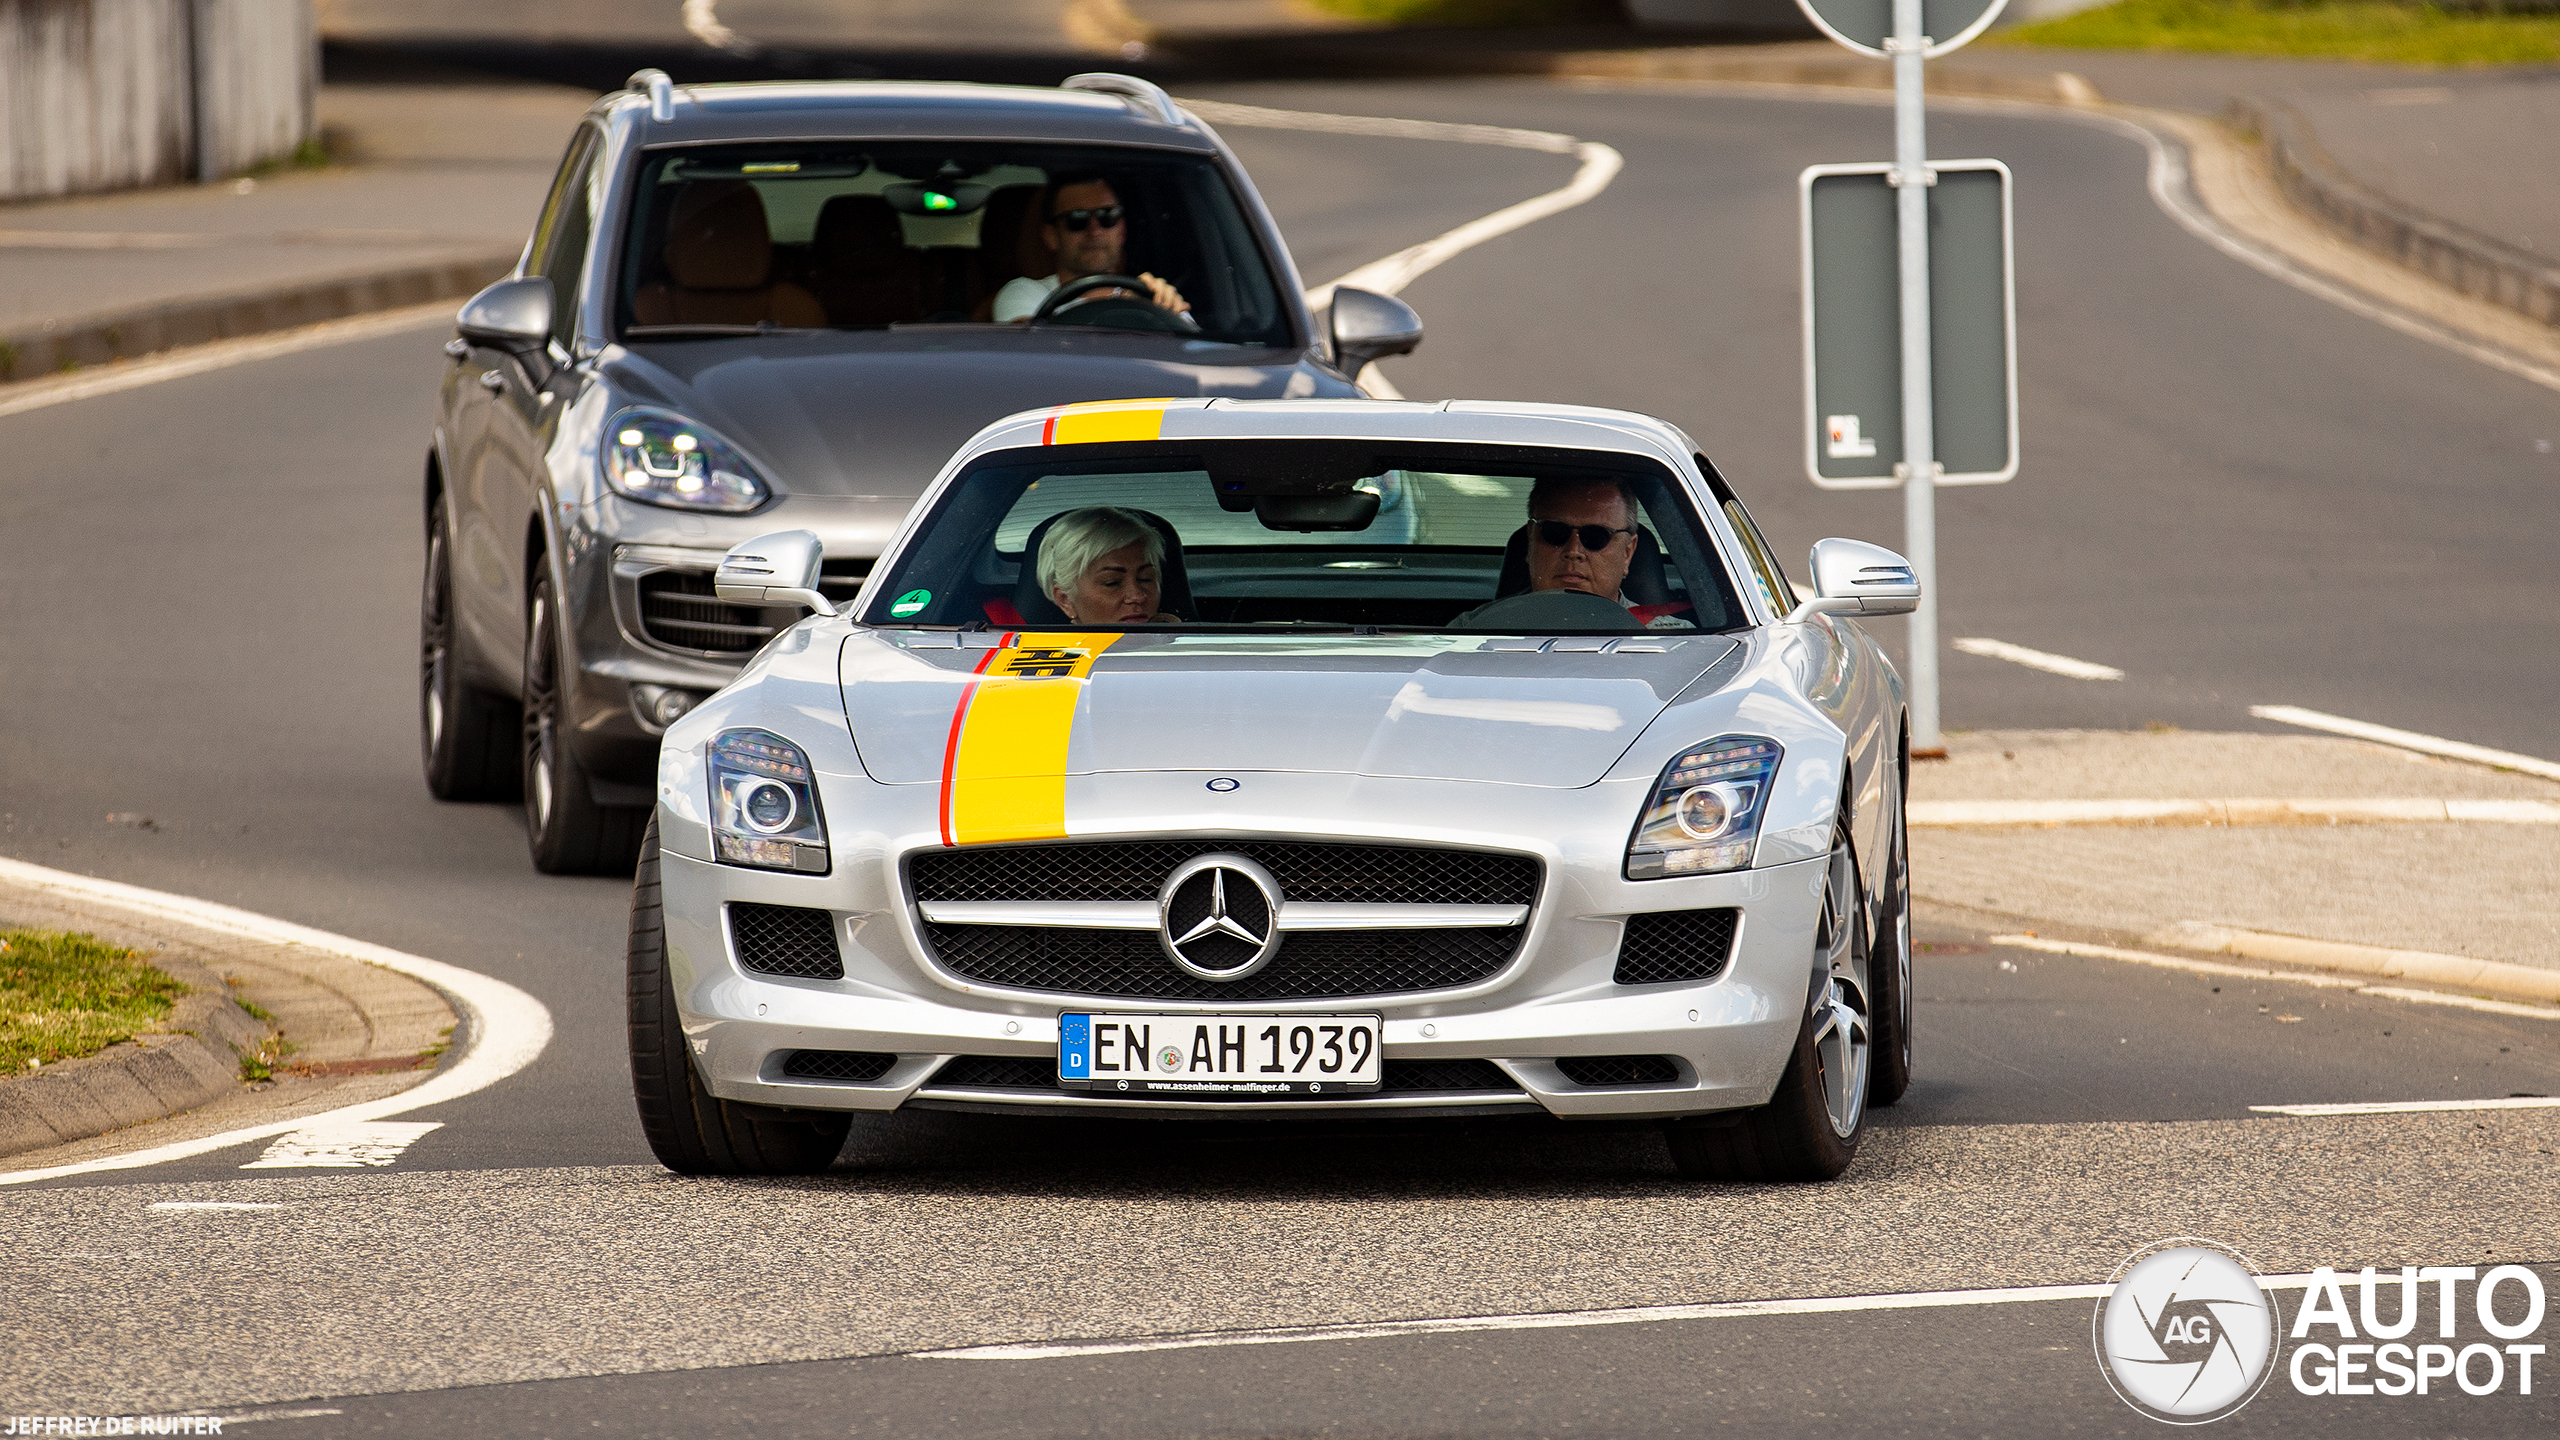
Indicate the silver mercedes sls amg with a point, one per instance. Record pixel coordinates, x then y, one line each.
1293 758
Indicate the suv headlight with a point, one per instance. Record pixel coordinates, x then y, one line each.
764 804
661 458
1705 812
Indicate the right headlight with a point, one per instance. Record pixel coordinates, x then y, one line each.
764 804
1704 815
660 457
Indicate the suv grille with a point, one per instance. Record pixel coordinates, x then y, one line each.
851 1067
680 608
1128 964
786 940
1399 1077
1666 945
1600 1070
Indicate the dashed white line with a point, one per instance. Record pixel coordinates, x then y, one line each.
2412 1107
184 1205
2405 739
2043 660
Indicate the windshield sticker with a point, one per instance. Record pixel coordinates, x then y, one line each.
1101 423
913 602
1004 768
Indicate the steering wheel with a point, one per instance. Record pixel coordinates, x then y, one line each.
1123 312
1554 610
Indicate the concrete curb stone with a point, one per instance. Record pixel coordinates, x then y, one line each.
193 1057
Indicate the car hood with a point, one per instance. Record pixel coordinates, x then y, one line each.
878 415
1419 707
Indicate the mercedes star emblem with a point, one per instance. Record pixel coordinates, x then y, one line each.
1219 917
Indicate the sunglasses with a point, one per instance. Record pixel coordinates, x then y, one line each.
1553 534
1075 221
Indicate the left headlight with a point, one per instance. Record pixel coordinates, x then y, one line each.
1705 812
764 804
661 458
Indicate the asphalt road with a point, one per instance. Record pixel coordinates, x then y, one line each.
2233 492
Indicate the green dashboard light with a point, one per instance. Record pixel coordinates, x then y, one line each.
936 200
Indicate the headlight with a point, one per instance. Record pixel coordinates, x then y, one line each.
1705 812
764 804
662 458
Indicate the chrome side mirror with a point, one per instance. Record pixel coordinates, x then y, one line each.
512 315
1852 577
777 569
1369 326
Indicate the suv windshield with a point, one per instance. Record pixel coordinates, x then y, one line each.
1287 534
727 238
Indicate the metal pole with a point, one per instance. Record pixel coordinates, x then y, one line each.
1919 468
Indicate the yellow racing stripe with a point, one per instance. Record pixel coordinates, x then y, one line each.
1103 421
1004 769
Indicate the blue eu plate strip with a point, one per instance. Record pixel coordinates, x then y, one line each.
1075 1047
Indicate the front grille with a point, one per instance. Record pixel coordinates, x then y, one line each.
1597 1070
786 940
679 608
1397 1077
1306 870
853 1067
1128 964
840 580
1667 945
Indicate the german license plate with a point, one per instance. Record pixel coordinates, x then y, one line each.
1239 1057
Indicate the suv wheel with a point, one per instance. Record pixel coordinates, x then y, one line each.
569 832
465 736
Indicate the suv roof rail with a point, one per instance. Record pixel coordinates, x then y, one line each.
1147 93
661 92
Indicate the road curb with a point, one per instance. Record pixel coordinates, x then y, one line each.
193 1058
2473 263
29 354
2454 972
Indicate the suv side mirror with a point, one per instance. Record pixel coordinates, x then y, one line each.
776 569
1369 326
1852 577
512 315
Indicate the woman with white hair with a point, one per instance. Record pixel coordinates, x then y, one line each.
1103 565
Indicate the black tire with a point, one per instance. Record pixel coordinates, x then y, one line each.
691 1131
466 737
1795 1137
570 834
1890 969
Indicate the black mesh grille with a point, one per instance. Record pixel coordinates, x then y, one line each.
1667 945
852 1066
1620 1069
839 580
1128 964
1306 870
1015 1072
786 940
679 608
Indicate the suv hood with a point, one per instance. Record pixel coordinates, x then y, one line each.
880 415
1412 707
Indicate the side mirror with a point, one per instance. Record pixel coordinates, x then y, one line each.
512 315
1369 326
776 569
1852 577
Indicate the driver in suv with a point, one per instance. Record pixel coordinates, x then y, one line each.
1087 228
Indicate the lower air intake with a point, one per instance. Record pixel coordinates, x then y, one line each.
1400 1077
1663 946
1600 1071
847 1067
787 940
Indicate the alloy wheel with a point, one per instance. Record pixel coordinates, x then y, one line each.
1842 1038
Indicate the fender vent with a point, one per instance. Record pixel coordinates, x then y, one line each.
787 940
1663 946
851 1067
1603 1070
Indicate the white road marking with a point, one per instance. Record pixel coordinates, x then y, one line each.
1953 813
2037 659
702 22
1553 1320
342 1146
217 355
211 1205
503 1028
2322 982
2411 1107
2406 739
2463 1002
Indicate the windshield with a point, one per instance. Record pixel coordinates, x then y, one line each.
1313 534
725 239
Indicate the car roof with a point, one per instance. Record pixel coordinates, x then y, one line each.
892 109
1498 422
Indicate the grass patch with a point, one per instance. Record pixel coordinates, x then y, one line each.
65 995
1473 14
2332 29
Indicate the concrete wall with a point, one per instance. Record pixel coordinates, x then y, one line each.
110 94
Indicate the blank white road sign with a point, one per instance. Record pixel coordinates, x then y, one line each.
1853 325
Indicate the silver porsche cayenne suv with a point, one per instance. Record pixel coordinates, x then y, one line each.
756 307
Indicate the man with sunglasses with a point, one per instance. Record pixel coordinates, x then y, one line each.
1582 536
1087 228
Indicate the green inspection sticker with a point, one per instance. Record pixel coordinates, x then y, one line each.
910 603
